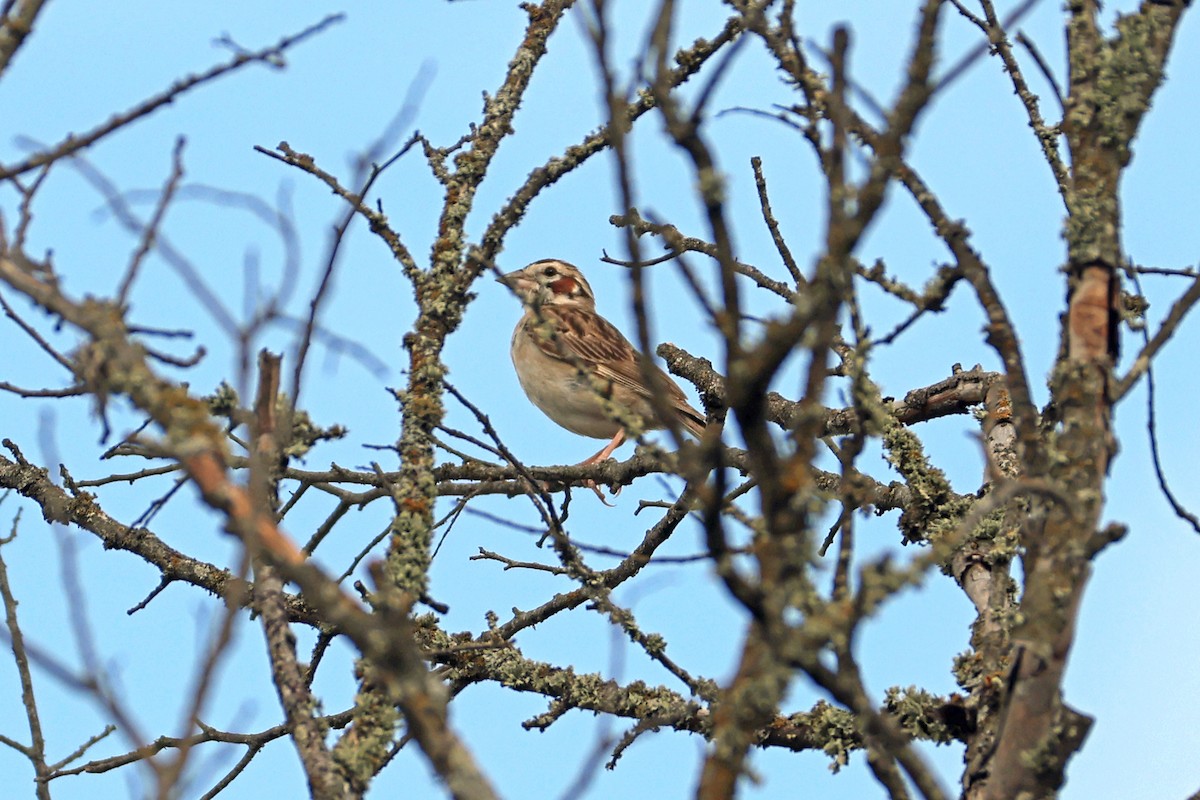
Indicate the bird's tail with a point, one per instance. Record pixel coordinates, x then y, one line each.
693 420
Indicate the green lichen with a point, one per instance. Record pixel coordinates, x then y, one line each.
306 433
364 747
224 401
837 730
935 508
916 710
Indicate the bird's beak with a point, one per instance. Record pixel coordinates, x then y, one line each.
517 281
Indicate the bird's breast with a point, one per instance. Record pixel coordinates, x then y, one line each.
559 390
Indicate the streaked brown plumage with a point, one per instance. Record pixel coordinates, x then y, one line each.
560 334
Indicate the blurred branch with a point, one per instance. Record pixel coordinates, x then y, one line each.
679 244
1141 364
16 24
271 56
823 728
254 741
35 751
953 395
151 229
687 63
375 219
300 707
999 44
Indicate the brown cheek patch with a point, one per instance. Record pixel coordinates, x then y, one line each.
563 286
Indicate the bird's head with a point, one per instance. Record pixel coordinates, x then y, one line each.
550 282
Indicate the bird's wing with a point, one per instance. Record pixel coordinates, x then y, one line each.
589 340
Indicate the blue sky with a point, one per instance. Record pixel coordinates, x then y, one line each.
336 94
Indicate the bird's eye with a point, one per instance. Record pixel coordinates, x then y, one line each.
550 272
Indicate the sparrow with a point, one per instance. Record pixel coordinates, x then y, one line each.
569 360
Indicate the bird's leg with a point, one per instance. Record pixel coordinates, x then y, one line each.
605 452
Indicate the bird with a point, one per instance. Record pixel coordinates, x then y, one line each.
569 359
